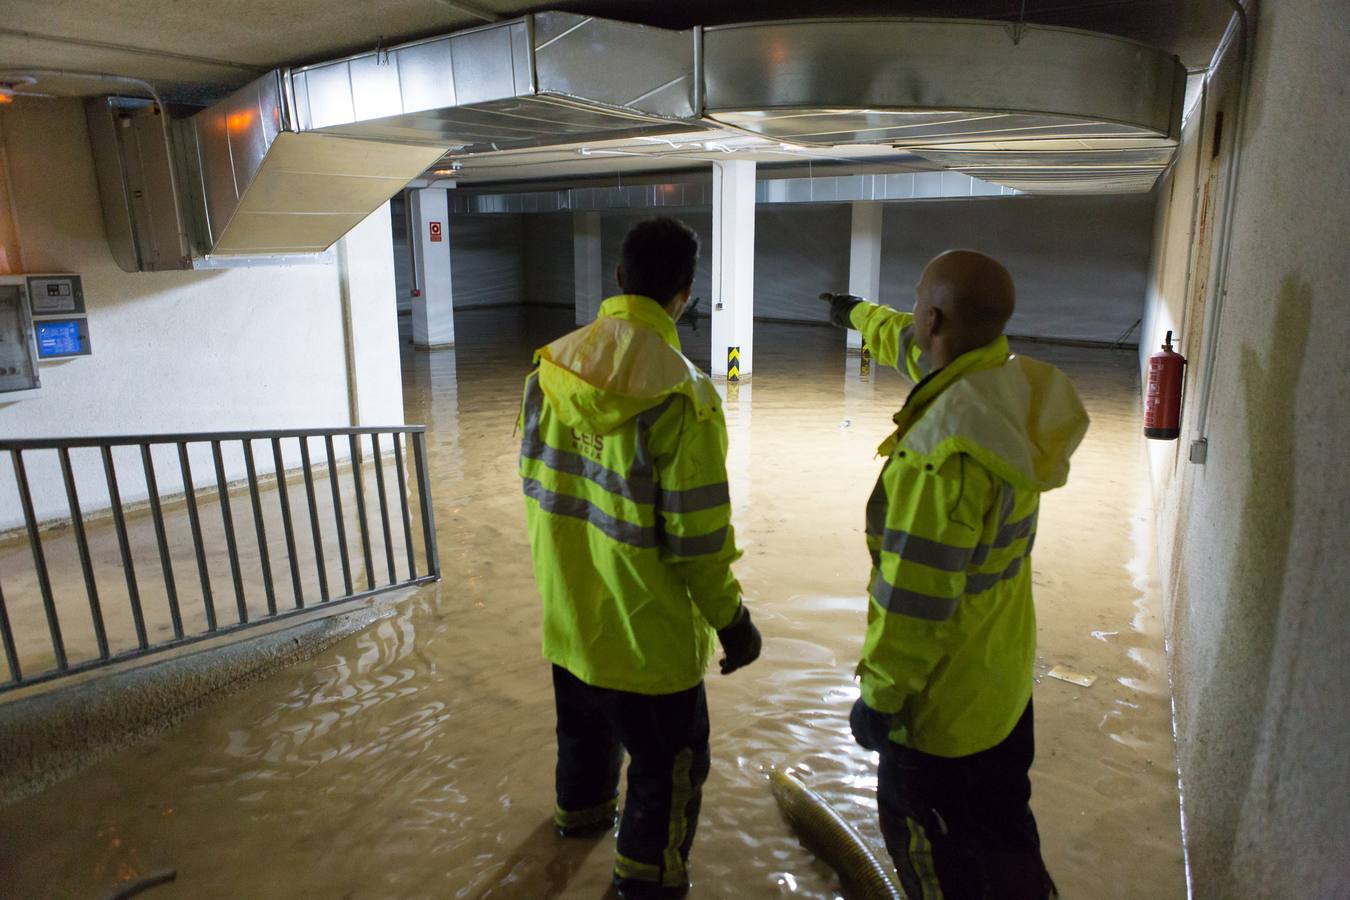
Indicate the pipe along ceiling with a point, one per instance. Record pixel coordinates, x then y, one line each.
292 161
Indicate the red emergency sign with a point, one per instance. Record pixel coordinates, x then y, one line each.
435 230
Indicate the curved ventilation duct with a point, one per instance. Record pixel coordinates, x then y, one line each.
291 162
1034 108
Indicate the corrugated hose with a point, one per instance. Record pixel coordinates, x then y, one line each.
825 833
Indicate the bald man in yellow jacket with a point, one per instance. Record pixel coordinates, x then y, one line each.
946 669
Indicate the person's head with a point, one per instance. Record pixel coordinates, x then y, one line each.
963 301
658 260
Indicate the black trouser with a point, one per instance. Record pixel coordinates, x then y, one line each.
961 828
666 737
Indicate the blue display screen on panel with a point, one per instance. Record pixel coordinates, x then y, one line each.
59 339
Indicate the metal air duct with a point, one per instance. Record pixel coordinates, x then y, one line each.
290 163
549 78
1035 108
296 159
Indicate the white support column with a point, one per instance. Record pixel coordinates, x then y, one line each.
586 274
733 264
864 257
433 312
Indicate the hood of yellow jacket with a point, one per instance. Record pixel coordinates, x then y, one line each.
628 360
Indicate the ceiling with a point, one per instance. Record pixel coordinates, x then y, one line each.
194 49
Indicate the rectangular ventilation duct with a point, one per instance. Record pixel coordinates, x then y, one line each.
262 188
550 78
290 163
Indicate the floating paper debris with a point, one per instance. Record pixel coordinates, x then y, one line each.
1069 675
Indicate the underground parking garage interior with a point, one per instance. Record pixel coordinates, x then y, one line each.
274 275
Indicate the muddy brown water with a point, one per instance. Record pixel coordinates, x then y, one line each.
415 759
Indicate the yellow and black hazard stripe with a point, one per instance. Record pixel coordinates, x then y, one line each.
733 364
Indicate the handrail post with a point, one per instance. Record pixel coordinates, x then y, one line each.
39 561
424 501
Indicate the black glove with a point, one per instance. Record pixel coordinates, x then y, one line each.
871 729
841 306
740 642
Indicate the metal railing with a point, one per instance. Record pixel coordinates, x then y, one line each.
180 623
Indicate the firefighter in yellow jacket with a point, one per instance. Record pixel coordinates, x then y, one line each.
946 669
623 461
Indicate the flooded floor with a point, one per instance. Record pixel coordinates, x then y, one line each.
415 759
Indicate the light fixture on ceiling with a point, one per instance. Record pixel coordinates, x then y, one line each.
10 84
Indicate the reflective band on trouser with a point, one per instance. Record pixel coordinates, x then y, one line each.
921 859
583 509
635 871
934 554
692 500
580 818
681 788
912 603
698 545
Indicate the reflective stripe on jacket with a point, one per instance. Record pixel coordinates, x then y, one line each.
951 633
623 461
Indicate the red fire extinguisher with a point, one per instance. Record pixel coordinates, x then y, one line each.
1162 395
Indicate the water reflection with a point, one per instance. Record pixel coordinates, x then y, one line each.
416 758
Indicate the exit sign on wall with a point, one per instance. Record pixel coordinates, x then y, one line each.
434 228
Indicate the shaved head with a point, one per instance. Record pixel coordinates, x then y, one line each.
964 300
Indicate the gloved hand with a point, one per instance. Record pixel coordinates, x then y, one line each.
740 642
871 729
841 306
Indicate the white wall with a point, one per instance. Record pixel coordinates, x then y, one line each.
1253 543
252 348
376 374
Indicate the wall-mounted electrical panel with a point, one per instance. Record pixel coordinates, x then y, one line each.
42 317
18 349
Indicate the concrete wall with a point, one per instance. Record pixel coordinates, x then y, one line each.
799 252
1253 543
548 260
1080 263
487 260
251 348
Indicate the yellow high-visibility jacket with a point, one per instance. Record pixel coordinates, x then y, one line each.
951 630
623 459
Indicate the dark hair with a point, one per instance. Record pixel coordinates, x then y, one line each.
658 258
